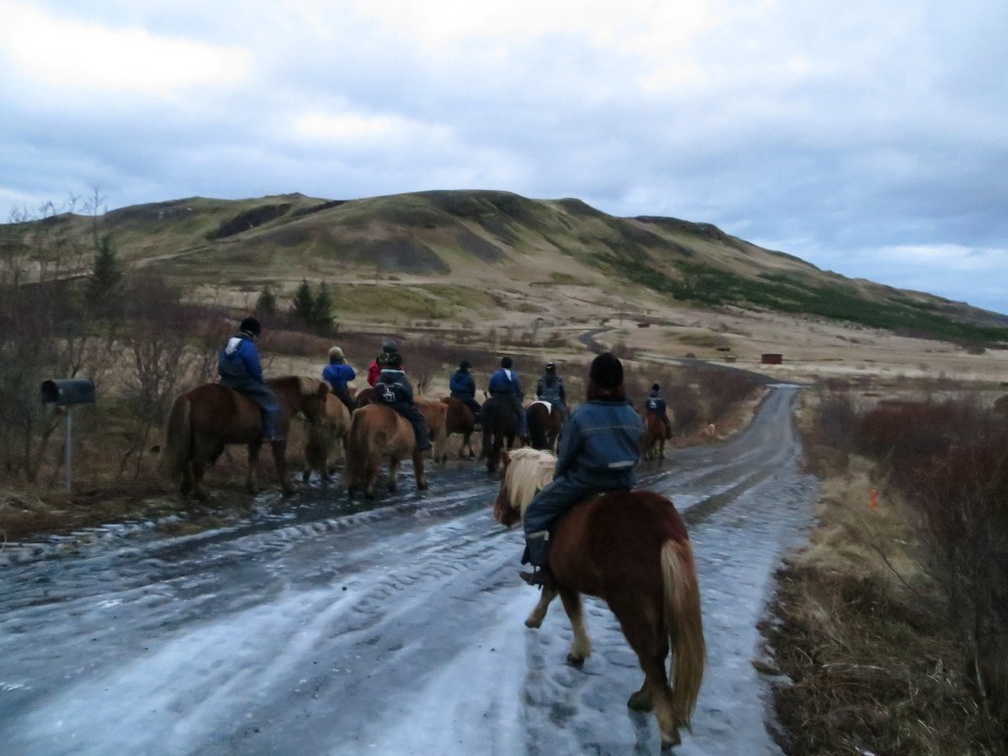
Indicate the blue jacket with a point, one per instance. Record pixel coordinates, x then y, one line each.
462 385
338 374
552 390
600 445
238 363
505 383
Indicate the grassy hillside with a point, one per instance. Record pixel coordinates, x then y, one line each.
463 254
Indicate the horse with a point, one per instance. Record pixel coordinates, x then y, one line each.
631 549
653 443
459 419
205 419
325 437
378 432
365 397
500 426
435 413
545 422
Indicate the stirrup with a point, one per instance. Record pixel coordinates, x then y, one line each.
539 577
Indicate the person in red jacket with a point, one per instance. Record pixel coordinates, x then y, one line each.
389 348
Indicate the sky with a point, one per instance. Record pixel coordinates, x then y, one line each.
868 138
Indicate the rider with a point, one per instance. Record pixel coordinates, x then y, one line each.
239 368
598 452
389 347
551 388
506 386
338 374
655 404
463 387
395 390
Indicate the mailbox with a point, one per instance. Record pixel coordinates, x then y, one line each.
64 391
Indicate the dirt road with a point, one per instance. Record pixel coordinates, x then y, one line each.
327 626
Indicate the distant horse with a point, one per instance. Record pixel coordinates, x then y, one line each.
326 438
545 422
459 419
631 549
205 419
653 444
500 426
435 413
378 432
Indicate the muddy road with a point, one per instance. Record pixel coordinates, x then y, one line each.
328 626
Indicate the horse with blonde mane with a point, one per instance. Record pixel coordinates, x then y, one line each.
630 549
203 420
378 432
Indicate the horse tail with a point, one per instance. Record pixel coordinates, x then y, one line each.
178 437
357 451
684 625
537 427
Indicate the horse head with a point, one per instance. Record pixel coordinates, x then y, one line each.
524 472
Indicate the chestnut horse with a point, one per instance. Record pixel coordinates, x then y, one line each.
205 419
436 415
653 443
325 438
500 426
378 432
545 422
631 549
459 419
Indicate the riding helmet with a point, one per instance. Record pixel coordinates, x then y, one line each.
250 326
550 367
464 365
655 387
506 362
388 346
394 360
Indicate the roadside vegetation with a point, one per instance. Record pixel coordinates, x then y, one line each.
892 626
70 307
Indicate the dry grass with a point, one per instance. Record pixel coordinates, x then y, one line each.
861 628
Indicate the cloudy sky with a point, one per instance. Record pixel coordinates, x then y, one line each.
870 138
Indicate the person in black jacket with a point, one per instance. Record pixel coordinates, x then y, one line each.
393 389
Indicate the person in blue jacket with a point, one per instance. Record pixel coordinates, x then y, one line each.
463 386
239 368
505 385
599 450
394 389
338 374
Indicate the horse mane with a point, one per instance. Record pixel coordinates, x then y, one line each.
528 471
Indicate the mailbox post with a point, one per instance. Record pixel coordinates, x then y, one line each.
66 392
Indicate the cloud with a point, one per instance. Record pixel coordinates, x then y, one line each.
68 54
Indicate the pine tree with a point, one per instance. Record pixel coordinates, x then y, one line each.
322 308
266 304
303 308
105 278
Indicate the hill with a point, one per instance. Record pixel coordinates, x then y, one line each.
484 260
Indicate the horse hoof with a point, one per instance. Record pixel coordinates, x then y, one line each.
670 742
535 624
575 661
640 702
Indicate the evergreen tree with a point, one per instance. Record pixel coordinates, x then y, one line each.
303 309
105 278
266 304
322 308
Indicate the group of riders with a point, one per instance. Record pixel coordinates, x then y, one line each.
598 451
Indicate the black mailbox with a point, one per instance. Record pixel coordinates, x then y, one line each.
68 391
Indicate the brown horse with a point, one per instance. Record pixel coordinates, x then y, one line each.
545 422
653 444
205 419
500 427
631 549
435 413
459 419
365 397
378 432
325 438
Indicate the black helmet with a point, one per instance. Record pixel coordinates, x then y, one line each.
388 346
393 360
464 365
506 362
550 367
655 387
250 326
